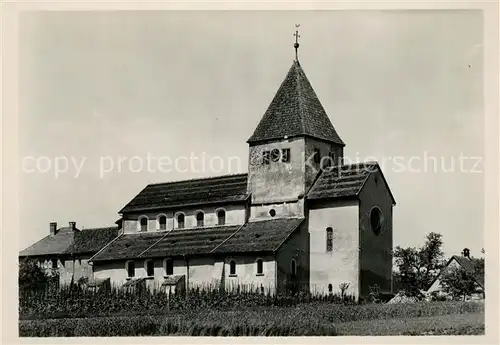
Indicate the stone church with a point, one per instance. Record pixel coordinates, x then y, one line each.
300 219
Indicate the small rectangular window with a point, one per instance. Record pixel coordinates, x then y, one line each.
285 155
260 266
169 267
131 269
232 268
54 263
265 157
150 268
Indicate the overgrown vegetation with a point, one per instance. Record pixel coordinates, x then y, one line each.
417 267
461 283
34 278
45 309
305 319
72 301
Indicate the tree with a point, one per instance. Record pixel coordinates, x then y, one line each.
458 282
479 267
31 276
417 267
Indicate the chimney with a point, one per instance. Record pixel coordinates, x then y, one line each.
53 228
466 253
72 225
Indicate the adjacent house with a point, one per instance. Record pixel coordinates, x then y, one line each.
466 262
66 250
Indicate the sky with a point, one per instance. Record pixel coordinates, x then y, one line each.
103 91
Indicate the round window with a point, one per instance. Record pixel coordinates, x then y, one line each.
272 212
376 220
275 155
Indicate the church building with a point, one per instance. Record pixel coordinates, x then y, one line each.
299 220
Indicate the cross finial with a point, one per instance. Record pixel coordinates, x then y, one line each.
296 45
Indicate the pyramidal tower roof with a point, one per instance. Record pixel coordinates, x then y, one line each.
295 111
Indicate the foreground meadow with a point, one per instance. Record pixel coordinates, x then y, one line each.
319 318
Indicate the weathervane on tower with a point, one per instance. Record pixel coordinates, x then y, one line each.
296 45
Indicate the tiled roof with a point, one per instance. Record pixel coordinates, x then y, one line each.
67 241
343 182
465 263
295 111
338 182
220 189
128 246
51 245
259 236
92 240
469 265
191 241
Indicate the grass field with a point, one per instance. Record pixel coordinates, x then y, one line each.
450 318
457 324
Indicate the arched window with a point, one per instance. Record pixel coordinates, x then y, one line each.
232 268
221 217
130 269
329 239
144 223
180 221
200 219
293 268
330 288
169 267
260 266
376 220
150 268
162 222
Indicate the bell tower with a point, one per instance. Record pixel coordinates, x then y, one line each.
291 142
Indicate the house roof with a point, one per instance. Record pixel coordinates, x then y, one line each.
92 240
51 244
469 265
265 236
465 263
344 181
67 241
220 189
191 241
295 111
261 236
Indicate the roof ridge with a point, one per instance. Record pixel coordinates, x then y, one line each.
299 96
100 228
199 179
